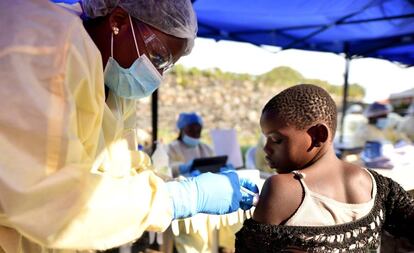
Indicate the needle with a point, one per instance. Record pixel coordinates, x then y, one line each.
255 195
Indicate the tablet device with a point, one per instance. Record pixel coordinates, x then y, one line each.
209 164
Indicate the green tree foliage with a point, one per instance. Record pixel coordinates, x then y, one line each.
356 91
278 77
281 76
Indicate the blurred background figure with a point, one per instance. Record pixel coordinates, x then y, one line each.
379 136
406 125
353 121
374 136
393 118
376 129
188 145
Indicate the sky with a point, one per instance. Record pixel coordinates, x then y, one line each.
380 78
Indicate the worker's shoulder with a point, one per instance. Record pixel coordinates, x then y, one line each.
174 143
40 23
206 146
173 146
62 21
61 12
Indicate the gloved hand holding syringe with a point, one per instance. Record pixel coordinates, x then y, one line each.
249 192
200 194
255 196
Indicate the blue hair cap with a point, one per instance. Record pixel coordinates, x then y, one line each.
185 119
376 109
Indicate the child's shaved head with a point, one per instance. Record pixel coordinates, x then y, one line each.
304 105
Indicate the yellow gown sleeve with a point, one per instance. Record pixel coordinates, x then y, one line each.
66 180
125 109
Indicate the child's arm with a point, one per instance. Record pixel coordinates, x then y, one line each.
399 219
280 197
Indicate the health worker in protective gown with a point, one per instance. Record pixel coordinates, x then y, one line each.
70 177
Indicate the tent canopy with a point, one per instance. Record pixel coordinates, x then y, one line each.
368 28
357 28
404 94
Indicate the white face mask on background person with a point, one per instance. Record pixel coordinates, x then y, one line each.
189 141
138 81
381 123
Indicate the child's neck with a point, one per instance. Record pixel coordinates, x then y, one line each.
326 155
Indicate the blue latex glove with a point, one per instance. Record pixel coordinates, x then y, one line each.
247 198
185 167
195 173
227 167
208 193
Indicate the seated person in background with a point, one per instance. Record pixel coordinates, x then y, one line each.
317 202
376 129
188 146
354 120
406 126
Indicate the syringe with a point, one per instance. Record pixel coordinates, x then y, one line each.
255 195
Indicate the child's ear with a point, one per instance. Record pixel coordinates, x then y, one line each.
319 134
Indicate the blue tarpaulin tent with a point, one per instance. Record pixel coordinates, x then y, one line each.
356 28
373 28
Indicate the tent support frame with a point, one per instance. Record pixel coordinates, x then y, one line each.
154 119
345 90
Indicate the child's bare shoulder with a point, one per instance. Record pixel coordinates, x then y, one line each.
280 197
359 183
356 174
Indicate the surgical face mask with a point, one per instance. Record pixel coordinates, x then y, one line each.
138 81
189 141
381 123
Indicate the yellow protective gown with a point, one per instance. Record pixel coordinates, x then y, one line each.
67 177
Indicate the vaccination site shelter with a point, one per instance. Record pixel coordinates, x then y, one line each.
353 28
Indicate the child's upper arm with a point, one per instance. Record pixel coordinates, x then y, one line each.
280 197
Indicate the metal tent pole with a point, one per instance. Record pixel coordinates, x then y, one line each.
345 92
154 111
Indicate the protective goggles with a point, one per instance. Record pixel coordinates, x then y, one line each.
158 53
